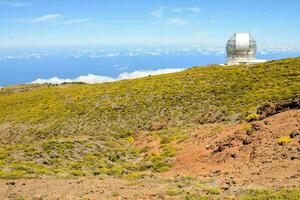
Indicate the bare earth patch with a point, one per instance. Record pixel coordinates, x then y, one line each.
232 158
243 155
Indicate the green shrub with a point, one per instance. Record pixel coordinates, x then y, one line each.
284 139
76 166
212 190
132 176
116 171
168 151
197 197
16 174
265 194
174 191
20 198
159 164
115 194
3 154
77 173
252 117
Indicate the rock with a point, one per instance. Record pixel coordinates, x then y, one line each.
247 141
11 183
233 155
293 158
294 176
294 134
225 187
46 162
216 171
272 109
255 127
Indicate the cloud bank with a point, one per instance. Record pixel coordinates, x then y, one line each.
75 21
14 3
45 18
176 21
94 79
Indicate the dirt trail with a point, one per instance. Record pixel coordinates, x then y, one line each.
107 188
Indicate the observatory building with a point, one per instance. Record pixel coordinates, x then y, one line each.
241 49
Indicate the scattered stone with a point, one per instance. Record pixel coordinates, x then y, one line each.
216 171
46 162
272 109
294 134
233 155
293 158
225 187
11 183
247 141
255 127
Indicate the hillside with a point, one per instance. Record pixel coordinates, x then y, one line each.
150 126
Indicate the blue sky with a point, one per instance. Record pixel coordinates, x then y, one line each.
45 23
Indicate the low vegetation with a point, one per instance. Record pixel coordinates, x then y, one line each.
264 194
76 130
284 139
196 95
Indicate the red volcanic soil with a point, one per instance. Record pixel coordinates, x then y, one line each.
245 155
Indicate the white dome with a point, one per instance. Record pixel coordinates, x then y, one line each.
241 48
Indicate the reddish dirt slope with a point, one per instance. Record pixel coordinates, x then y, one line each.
242 156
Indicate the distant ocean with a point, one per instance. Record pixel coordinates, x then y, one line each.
20 66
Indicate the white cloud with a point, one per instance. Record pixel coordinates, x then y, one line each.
111 55
177 10
194 9
94 79
89 79
176 21
14 3
45 18
278 49
140 74
75 21
175 15
54 80
159 12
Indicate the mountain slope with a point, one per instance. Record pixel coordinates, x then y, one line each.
132 127
206 94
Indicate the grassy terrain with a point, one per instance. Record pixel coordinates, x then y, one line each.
91 130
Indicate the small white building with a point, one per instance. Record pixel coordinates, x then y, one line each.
241 49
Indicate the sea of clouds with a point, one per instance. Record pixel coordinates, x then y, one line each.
94 79
133 52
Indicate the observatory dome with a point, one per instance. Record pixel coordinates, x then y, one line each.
241 49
